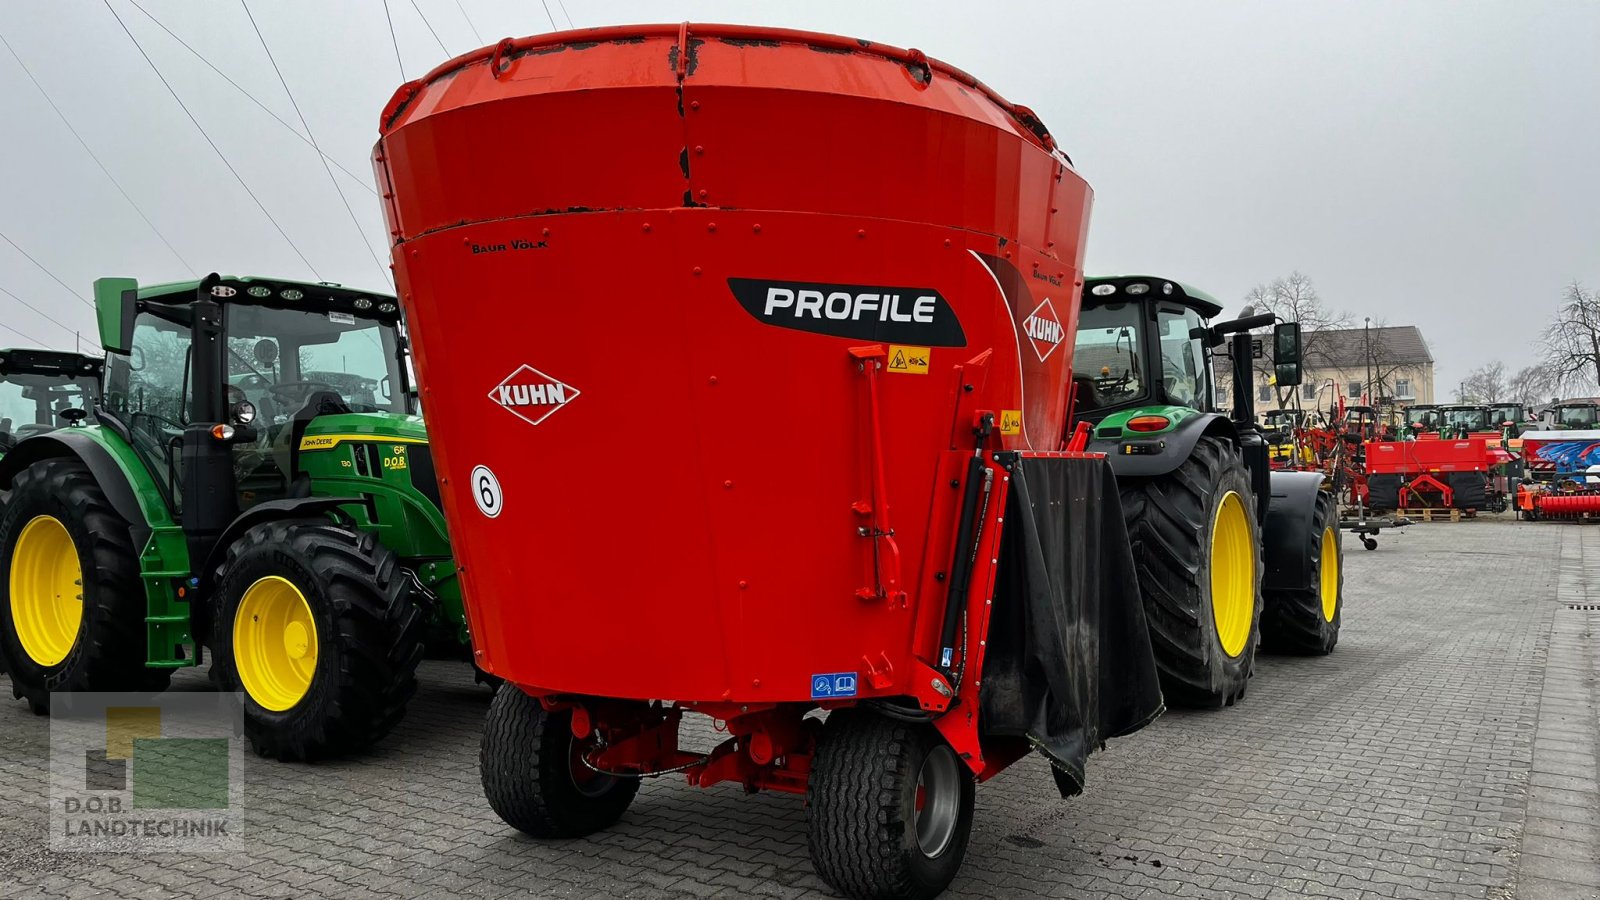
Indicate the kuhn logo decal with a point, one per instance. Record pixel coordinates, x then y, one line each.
900 315
531 395
1044 330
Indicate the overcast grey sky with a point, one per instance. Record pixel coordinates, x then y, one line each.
1429 163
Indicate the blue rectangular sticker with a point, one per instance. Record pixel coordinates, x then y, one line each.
833 685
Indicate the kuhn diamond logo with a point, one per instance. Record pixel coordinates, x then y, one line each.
531 395
1044 329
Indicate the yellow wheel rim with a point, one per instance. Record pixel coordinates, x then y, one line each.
46 590
275 643
1330 573
1233 574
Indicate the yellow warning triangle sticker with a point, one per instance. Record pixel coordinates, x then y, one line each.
899 360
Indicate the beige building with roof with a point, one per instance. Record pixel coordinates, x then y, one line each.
1390 366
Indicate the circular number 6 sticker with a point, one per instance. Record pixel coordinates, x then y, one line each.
486 491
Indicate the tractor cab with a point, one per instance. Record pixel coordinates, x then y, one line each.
1423 418
1509 415
1576 415
41 390
1459 421
1361 424
273 356
1142 342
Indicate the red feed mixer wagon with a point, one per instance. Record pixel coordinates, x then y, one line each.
742 349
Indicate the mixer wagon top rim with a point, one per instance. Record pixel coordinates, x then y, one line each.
1031 126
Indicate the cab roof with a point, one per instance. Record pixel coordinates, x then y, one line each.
1115 288
28 361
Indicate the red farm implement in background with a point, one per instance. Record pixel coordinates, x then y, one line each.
747 361
1450 473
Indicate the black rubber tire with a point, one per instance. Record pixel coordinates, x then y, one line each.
861 809
369 633
1292 621
1383 491
1469 490
526 761
109 653
1169 526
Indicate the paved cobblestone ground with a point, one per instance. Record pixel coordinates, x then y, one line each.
1403 766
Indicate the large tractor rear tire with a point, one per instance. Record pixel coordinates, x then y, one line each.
534 774
1383 491
1468 490
888 807
316 624
1197 548
1306 619
73 619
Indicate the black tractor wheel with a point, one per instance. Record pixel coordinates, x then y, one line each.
1383 491
1306 618
535 775
1468 490
316 624
73 619
1197 548
888 807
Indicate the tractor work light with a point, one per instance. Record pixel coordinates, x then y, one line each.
1149 423
292 294
386 307
244 412
363 303
259 291
1103 290
1140 288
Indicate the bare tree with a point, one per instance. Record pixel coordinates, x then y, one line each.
1485 384
1294 299
1531 385
1572 340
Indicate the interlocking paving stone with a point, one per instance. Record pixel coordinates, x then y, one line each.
1402 766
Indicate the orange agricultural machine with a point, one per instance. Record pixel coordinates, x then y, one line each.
747 361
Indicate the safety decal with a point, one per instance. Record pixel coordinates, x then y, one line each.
909 315
486 491
531 395
908 360
1010 421
833 685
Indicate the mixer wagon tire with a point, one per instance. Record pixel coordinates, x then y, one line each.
534 775
1468 490
1197 548
1305 620
1383 491
317 625
73 614
888 807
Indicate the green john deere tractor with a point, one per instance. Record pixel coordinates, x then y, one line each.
254 481
40 390
1229 554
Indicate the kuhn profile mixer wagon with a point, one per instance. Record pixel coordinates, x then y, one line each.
746 355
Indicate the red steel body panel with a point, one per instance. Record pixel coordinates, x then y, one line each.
685 525
1416 457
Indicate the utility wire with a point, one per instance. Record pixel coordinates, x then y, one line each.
52 319
360 232
553 25
394 40
430 27
476 36
365 182
85 145
220 155
24 335
562 4
40 267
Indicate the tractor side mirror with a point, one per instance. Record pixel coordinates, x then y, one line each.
1286 357
116 303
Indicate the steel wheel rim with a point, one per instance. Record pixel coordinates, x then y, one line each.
1330 574
938 801
275 643
1233 570
46 590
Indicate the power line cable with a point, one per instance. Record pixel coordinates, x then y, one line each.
360 232
562 4
220 155
430 27
394 40
40 267
476 36
52 319
85 145
365 182
25 336
553 25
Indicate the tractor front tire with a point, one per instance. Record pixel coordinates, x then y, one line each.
317 626
73 617
1383 491
1305 620
888 807
534 776
1197 548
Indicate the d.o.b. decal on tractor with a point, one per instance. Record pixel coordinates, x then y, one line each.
1044 329
531 395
